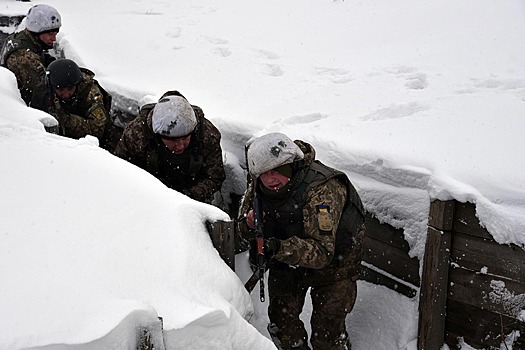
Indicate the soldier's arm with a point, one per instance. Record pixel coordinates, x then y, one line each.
322 212
28 69
94 120
211 175
132 143
246 205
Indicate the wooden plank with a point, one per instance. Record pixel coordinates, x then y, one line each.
480 328
441 214
471 252
222 236
488 292
379 278
386 233
433 292
466 221
392 260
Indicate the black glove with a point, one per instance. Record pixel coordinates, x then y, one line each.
271 247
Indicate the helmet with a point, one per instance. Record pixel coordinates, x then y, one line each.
173 116
63 73
272 151
42 18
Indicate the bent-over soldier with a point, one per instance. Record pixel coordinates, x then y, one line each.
173 141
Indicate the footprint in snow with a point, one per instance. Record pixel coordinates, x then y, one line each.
396 111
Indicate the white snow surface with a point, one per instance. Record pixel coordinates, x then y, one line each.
413 100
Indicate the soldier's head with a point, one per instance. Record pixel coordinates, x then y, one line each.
174 121
63 75
44 22
270 157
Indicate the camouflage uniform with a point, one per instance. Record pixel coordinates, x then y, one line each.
320 224
198 172
25 56
86 113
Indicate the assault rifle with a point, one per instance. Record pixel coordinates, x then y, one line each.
258 275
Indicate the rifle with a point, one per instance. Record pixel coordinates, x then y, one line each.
258 275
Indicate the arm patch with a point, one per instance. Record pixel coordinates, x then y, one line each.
325 220
40 70
98 113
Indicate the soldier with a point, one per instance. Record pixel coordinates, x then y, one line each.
173 141
25 53
313 223
77 101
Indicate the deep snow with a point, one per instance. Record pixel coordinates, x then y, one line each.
413 100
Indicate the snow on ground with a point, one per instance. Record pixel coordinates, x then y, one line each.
413 100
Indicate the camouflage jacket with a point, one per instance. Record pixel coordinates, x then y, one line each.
23 55
83 114
198 172
309 220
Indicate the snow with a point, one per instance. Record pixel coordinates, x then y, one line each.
413 100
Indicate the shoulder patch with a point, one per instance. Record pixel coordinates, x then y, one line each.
324 217
98 113
40 70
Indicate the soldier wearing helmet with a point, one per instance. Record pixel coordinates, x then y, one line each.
76 100
313 224
25 53
173 141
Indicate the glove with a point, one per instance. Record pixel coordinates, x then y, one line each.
271 247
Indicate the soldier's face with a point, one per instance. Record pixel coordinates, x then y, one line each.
273 180
177 146
48 38
65 93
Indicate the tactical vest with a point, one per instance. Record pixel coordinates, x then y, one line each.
174 170
285 219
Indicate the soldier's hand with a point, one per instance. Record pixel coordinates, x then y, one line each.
250 219
271 247
59 113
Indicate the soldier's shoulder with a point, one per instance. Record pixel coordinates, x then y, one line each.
22 55
328 188
134 133
210 130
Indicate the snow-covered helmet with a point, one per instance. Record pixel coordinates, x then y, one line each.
43 18
271 151
173 117
63 73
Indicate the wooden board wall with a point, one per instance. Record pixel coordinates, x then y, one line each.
487 285
387 250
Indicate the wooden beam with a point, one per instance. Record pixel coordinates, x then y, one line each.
150 337
222 236
376 277
434 284
466 221
475 253
386 233
392 260
441 215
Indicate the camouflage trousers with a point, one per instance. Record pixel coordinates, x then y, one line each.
331 302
